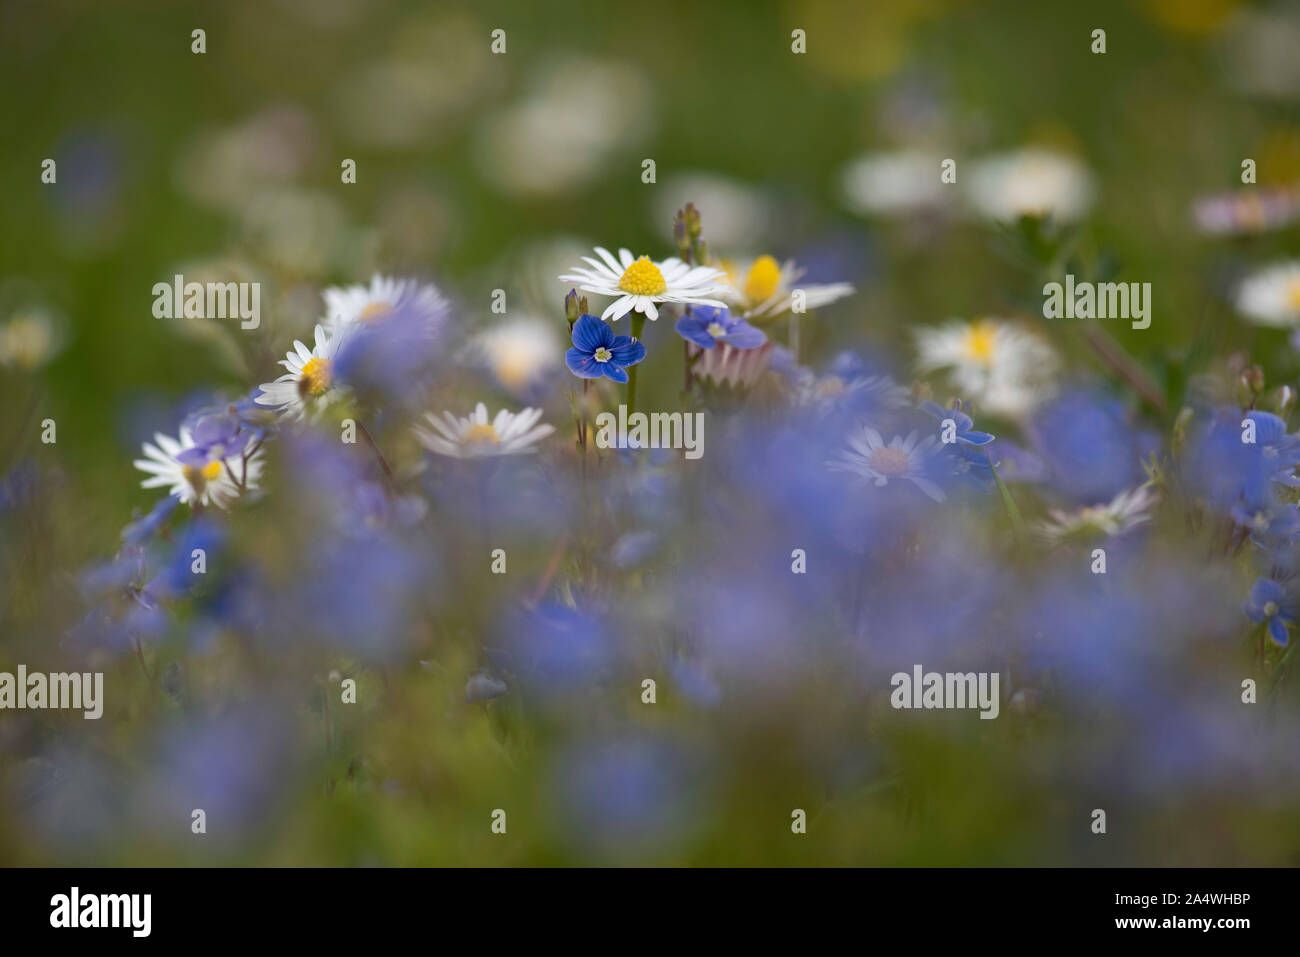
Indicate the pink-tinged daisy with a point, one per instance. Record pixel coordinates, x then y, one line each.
637 284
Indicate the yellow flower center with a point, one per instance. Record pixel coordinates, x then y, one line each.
763 280
888 460
717 330
643 278
602 354
481 435
317 375
978 345
199 477
375 311
1293 294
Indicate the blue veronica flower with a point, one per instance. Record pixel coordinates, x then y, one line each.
1269 603
706 326
218 434
1280 451
598 352
1273 528
965 426
1233 475
971 464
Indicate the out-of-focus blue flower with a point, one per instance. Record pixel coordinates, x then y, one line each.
1269 603
218 435
177 577
1231 474
392 361
847 386
231 766
597 351
146 527
555 649
1091 451
695 684
706 326
626 796
18 486
358 593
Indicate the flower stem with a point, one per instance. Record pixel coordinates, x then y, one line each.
638 323
1013 510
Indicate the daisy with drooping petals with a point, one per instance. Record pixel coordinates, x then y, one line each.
1003 368
475 437
1271 296
207 481
765 289
904 459
309 383
385 296
638 284
1125 512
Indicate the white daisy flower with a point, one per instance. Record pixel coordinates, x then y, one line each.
904 459
893 184
996 364
640 283
346 305
214 482
764 288
1125 512
1271 296
309 383
475 437
1031 182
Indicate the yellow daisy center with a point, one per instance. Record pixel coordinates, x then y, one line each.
375 311
978 344
1293 294
888 460
199 477
316 377
643 278
481 435
763 280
